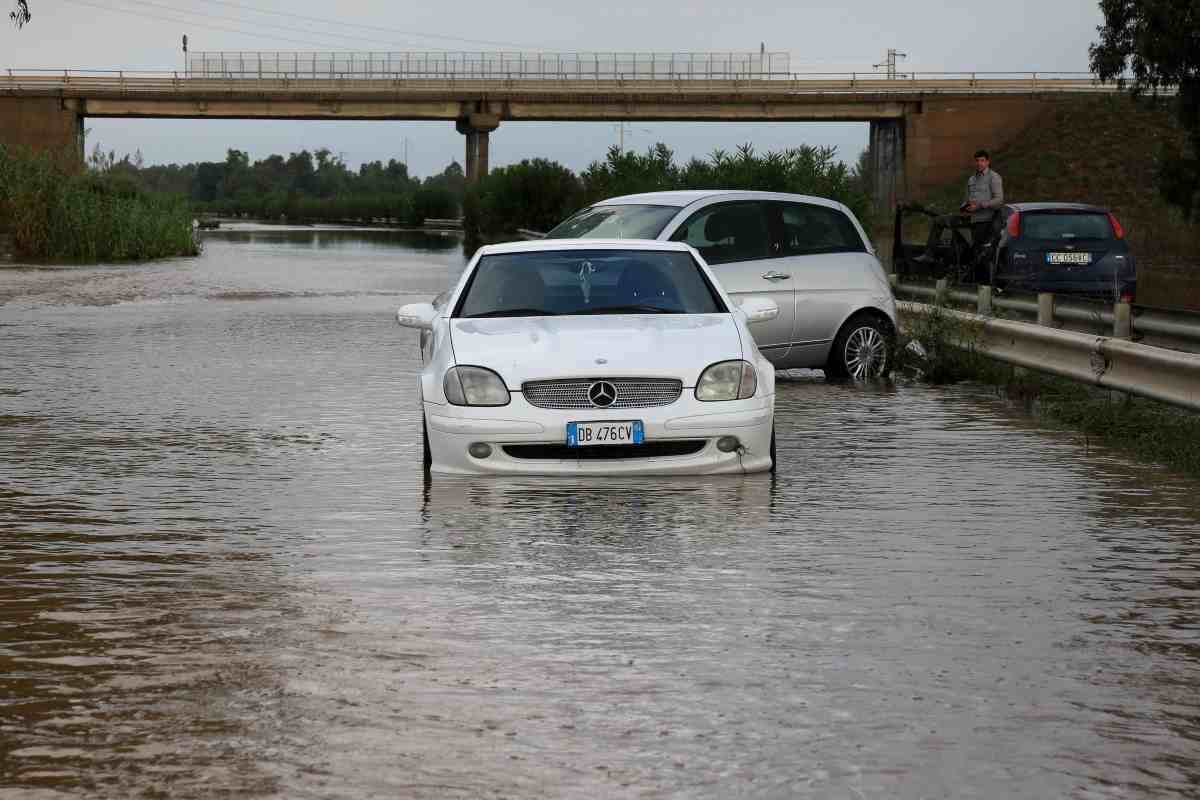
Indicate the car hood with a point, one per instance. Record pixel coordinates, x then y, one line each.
647 345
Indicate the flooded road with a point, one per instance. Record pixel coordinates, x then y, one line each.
223 574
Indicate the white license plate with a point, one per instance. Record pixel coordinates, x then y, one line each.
590 434
1068 258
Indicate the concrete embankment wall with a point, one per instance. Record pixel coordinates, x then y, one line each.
40 123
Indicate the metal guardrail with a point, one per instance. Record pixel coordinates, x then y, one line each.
1165 375
1168 328
442 223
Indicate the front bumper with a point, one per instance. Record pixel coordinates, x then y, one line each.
453 429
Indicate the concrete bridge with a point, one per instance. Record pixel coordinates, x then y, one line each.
924 126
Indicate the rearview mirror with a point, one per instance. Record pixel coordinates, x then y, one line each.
417 315
757 309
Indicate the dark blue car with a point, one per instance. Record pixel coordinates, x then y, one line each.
1065 248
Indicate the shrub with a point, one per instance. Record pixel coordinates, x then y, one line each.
534 194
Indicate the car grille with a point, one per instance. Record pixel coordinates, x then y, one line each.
631 392
560 452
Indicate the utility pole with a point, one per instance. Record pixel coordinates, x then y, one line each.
621 133
890 62
185 54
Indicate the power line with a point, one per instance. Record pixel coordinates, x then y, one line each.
143 14
378 28
276 26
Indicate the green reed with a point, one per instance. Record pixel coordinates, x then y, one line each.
58 210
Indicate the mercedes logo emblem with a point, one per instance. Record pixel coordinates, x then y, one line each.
602 394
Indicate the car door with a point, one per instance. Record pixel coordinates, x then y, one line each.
735 239
821 249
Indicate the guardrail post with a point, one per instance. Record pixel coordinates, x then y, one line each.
984 306
1045 309
939 292
1123 321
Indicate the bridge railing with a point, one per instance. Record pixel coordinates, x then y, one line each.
484 65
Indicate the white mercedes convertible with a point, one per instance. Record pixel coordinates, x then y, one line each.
593 357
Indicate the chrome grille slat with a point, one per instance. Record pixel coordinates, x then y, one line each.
631 392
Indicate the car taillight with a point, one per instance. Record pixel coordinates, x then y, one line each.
1118 231
1127 297
1014 224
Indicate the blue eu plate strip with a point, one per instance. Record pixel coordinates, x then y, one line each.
639 433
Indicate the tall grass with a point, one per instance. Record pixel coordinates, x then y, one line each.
57 211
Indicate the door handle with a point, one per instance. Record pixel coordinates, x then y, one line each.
776 276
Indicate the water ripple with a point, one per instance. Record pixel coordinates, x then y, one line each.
223 574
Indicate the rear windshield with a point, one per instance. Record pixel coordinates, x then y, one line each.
1071 225
575 282
615 222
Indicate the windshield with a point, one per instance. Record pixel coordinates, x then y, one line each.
615 222
1058 225
575 282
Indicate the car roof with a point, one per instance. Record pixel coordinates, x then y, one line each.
680 199
549 245
1058 207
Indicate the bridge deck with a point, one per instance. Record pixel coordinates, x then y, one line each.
85 85
544 98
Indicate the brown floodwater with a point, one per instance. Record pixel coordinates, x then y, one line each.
222 573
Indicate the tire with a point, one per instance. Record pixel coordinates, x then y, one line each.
862 349
774 461
427 457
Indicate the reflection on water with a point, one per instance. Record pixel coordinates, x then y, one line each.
224 574
325 237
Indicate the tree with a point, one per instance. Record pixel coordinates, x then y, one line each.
1151 46
533 194
21 15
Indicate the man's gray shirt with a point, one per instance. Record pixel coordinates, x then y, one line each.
986 189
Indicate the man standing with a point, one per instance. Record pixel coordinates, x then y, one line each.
985 195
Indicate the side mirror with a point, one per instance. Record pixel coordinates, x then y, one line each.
757 308
417 315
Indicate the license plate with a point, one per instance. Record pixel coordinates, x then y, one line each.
1068 258
590 434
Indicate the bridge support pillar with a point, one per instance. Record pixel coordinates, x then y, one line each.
886 157
477 129
42 124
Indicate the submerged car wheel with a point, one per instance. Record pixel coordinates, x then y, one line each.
862 349
427 461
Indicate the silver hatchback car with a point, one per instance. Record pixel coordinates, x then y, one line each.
810 255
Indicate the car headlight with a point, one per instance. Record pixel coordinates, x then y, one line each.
727 380
474 386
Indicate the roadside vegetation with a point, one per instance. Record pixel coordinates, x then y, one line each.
535 193
538 194
55 210
946 352
304 187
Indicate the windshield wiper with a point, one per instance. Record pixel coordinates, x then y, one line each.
514 312
639 308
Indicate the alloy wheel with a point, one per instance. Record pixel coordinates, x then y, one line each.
866 353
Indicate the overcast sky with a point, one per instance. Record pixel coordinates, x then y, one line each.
1043 35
